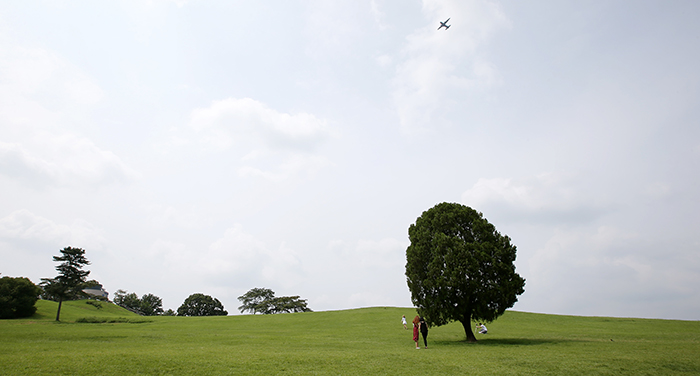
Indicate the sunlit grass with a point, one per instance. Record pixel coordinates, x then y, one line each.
354 342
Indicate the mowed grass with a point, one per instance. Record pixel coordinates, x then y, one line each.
364 341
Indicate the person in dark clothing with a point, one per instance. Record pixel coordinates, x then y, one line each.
424 331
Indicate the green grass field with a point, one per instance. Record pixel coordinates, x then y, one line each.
365 341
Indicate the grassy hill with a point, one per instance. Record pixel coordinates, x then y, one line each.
76 309
352 342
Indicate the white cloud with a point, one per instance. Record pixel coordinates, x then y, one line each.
609 271
64 159
43 76
237 259
278 145
547 197
294 165
233 120
23 225
438 62
333 28
378 15
42 95
366 273
384 60
385 253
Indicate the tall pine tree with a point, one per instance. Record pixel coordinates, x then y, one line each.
70 277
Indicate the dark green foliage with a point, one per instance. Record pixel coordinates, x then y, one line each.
71 278
148 305
256 300
109 320
201 305
169 312
262 300
129 301
459 268
151 305
95 304
288 304
17 297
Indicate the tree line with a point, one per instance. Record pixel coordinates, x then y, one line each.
18 296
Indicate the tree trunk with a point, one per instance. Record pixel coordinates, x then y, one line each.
58 313
467 324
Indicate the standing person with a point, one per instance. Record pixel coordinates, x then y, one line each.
403 321
416 325
424 331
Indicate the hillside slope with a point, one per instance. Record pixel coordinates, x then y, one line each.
76 309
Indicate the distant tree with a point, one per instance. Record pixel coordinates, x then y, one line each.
70 279
288 304
128 300
459 268
147 305
262 300
169 312
256 300
201 305
17 297
151 305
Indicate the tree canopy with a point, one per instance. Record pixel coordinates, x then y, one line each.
71 278
256 300
262 300
288 304
128 300
459 268
201 305
151 305
17 297
147 305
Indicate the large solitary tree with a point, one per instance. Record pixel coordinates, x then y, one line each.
459 268
71 278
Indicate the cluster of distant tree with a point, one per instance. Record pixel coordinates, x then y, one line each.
147 305
18 296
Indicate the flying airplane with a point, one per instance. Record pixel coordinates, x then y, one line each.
444 24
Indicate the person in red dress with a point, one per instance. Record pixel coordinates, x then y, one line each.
416 327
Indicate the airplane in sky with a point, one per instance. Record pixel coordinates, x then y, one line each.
444 24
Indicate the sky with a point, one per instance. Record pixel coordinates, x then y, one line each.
216 146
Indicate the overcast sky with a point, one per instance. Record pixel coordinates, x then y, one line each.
216 146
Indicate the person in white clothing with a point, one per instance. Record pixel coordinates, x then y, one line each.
403 321
481 328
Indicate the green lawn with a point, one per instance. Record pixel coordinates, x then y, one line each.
353 342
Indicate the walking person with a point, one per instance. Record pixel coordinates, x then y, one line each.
424 331
416 326
403 321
